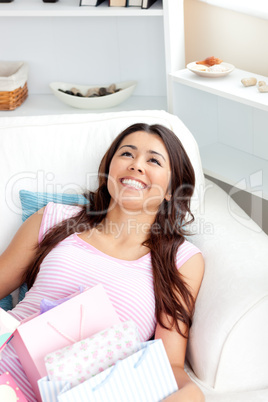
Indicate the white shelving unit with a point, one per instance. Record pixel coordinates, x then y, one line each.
41 105
230 124
70 8
87 45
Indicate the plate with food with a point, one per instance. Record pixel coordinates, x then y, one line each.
211 67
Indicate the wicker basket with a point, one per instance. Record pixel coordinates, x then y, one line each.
13 84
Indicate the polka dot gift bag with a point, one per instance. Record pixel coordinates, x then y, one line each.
9 391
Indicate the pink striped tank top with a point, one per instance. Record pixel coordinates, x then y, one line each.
74 262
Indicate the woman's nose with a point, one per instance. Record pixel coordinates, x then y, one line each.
136 167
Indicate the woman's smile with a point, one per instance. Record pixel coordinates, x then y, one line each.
133 183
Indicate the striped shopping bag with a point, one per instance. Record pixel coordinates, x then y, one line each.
145 376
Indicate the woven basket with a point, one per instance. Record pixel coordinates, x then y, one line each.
10 100
13 84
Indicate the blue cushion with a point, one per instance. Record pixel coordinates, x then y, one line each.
31 201
6 303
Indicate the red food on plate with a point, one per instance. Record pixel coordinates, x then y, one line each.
210 61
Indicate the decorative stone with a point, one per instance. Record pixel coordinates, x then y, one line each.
248 82
111 88
76 92
102 91
263 88
92 92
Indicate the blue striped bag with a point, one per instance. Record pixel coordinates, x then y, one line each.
145 376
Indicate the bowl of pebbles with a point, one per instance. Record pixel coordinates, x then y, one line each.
93 97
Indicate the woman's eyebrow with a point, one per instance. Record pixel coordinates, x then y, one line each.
130 146
150 150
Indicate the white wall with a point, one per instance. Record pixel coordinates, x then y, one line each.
236 38
87 51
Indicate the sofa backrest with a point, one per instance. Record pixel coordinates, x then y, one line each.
61 154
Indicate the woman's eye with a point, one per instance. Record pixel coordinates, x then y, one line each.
155 161
126 153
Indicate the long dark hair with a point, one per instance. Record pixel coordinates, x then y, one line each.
172 296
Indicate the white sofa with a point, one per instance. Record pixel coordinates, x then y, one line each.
228 347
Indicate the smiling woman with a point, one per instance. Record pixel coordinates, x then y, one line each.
130 237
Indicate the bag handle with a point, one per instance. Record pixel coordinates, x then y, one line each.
81 327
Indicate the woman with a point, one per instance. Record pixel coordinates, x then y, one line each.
130 237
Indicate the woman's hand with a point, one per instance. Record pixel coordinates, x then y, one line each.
188 390
189 393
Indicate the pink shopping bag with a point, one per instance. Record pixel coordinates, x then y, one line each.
79 317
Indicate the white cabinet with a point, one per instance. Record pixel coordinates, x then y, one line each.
93 45
230 124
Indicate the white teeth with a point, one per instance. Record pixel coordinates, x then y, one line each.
134 183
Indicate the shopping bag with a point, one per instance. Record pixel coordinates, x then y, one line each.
78 362
8 324
9 390
77 318
145 376
49 390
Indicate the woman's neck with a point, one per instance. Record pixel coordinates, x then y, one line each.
122 225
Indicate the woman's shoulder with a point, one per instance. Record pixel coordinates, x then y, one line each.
185 251
54 213
61 210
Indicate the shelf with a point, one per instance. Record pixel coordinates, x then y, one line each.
237 168
38 105
70 8
229 87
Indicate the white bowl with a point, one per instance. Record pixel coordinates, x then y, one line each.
100 102
210 74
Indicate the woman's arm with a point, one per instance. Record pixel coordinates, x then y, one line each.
19 254
175 344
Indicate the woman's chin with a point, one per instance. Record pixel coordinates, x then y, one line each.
134 207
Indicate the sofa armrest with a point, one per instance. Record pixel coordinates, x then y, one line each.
228 347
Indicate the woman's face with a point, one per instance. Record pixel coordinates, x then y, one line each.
139 173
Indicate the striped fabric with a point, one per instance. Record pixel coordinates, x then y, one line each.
74 262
